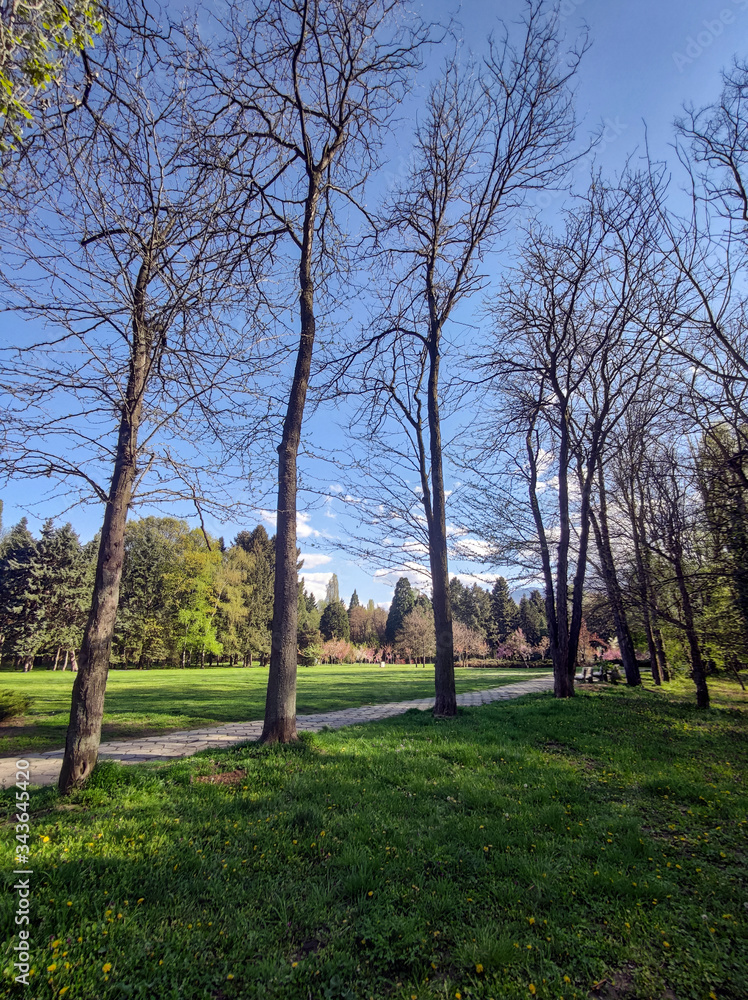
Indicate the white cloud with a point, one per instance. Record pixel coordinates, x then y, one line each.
312 559
316 583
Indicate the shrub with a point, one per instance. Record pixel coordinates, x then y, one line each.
508 664
12 703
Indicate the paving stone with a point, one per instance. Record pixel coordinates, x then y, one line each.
45 767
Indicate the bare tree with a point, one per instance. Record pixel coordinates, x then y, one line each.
574 345
316 84
493 132
124 258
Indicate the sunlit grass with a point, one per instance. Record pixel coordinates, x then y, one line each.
526 844
150 702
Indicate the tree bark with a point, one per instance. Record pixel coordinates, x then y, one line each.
280 703
697 662
445 703
87 709
613 588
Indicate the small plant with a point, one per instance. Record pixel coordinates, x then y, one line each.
13 703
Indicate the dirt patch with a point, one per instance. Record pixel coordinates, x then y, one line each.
224 778
620 986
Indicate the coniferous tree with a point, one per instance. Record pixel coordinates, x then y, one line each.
334 622
504 612
332 591
355 603
403 601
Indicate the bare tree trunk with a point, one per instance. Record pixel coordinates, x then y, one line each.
73 662
57 658
697 662
613 588
445 703
87 709
280 703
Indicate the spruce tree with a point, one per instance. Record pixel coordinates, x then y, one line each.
504 611
334 622
403 601
355 603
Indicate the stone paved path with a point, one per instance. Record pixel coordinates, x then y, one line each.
45 767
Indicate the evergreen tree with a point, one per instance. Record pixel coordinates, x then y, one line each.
18 566
334 622
64 586
403 601
457 598
332 593
531 621
355 603
504 612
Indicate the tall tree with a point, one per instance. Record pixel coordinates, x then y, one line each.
490 134
315 84
505 613
124 255
403 602
332 590
577 340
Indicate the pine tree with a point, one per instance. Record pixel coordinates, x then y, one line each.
18 566
355 603
504 612
403 601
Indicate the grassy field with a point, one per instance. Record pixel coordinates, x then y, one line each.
149 702
528 849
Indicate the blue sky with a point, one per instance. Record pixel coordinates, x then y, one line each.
648 57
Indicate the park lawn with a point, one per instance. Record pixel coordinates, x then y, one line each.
529 849
150 702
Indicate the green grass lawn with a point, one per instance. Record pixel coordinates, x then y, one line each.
149 702
535 848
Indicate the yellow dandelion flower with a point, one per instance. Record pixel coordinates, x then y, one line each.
230 975
63 991
52 967
478 967
142 899
458 996
566 979
56 944
294 964
370 893
531 920
45 840
69 903
106 967
531 988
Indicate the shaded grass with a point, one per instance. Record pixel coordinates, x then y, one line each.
526 846
150 702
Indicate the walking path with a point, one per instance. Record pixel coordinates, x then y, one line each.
45 767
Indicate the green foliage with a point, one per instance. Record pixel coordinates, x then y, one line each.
532 842
504 612
334 623
45 590
403 601
532 618
36 41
